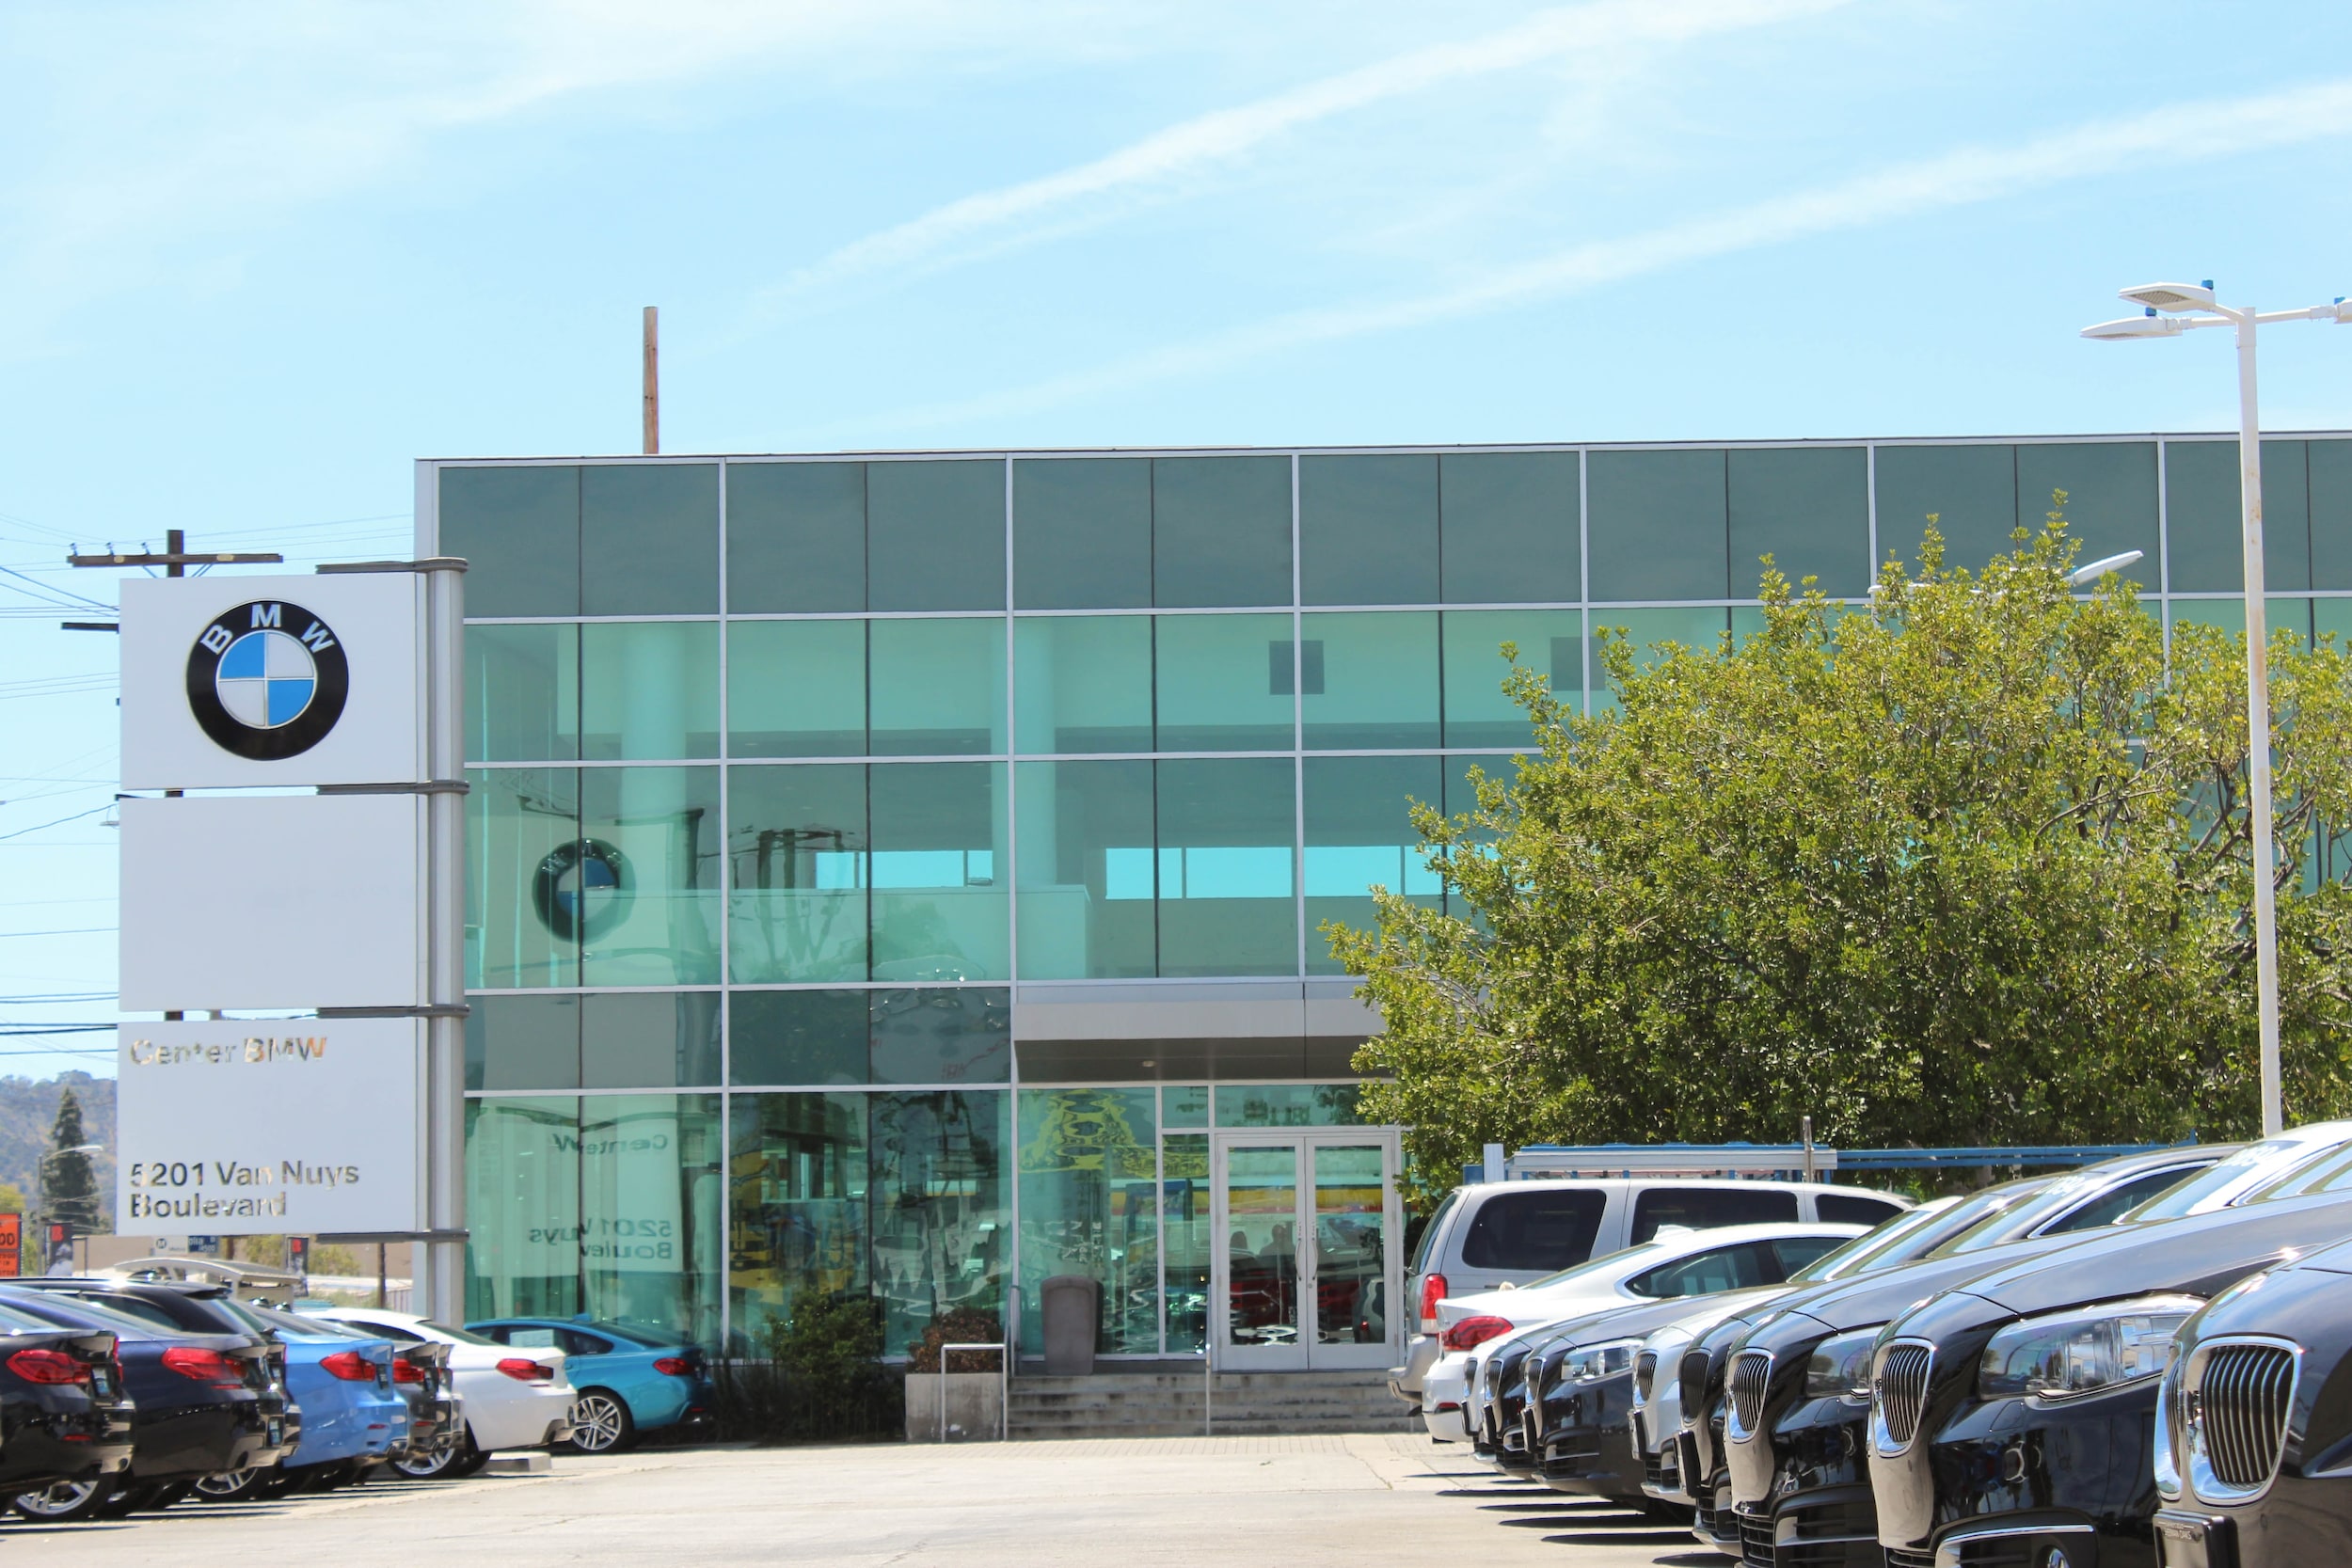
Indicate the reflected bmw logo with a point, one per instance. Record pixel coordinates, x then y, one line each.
267 680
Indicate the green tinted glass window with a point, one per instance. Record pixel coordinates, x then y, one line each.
2110 498
796 689
796 537
937 1195
796 1036
649 689
660 829
2331 466
519 531
942 901
935 534
1287 1105
2291 613
938 687
1477 711
649 539
1971 490
1089 1206
646 1186
1086 870
1226 842
1225 682
941 1035
1359 834
1220 532
648 1040
1701 630
523 1042
798 878
522 694
1807 507
1368 530
1186 1238
1185 1105
1082 533
522 1207
1082 682
795 1207
1658 529
527 880
1378 685
1509 527
2205 534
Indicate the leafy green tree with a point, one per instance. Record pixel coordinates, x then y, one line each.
68 1180
11 1198
1968 864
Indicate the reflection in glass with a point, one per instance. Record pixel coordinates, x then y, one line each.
649 1039
1086 888
1090 1187
941 1035
522 1207
1477 711
797 1037
796 689
522 826
937 1200
523 1042
1359 834
797 883
522 694
1351 1246
1225 682
1287 1105
649 689
1262 1246
1228 828
649 1237
1082 682
795 1207
1379 686
1185 1236
659 828
938 687
942 909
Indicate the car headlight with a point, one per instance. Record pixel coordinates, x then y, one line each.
1590 1363
1840 1367
2082 1352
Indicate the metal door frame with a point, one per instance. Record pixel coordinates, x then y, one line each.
1303 1356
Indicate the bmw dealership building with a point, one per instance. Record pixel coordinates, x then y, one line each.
901 873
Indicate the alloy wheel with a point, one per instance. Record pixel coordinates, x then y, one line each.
68 1499
598 1423
229 1486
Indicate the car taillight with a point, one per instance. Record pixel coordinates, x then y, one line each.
350 1366
674 1366
48 1366
1470 1333
1432 1292
404 1371
526 1371
205 1366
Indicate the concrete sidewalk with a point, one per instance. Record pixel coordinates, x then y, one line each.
1137 1503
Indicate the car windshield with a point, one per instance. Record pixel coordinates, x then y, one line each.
2258 1164
1857 1254
2332 1174
1611 1264
79 1311
1888 1246
2019 1219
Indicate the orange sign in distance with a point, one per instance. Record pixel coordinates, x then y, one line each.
11 1245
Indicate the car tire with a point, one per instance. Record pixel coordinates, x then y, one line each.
601 1422
430 1466
233 1486
469 1462
68 1502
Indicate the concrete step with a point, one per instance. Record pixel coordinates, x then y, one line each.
1152 1404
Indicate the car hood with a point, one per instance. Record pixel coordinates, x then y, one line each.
1870 1299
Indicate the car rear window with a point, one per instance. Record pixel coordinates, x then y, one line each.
1434 1228
1854 1208
1797 1252
1706 1208
1540 1229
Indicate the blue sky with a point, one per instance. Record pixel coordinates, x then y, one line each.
258 256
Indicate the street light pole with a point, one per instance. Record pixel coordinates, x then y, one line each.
2172 308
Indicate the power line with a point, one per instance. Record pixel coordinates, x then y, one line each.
59 822
76 932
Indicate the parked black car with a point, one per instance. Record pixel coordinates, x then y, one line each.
207 1389
1797 1388
2253 1453
64 1417
2014 1415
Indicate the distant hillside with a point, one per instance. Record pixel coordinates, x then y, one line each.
28 1106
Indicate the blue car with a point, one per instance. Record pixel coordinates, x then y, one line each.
632 1378
354 1417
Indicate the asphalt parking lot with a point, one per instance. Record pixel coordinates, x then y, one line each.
1185 1500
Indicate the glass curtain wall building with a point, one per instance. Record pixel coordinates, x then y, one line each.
893 874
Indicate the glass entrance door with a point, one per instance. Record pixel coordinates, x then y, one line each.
1308 1269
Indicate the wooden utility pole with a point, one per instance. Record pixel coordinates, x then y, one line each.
653 380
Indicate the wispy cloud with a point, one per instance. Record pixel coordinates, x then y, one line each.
2167 137
990 222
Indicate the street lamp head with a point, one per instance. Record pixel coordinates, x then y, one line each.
2173 296
2083 576
2149 326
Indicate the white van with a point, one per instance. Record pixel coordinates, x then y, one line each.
1499 1234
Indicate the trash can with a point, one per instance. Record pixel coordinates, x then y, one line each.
1071 1306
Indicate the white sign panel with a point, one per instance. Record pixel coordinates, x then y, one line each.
272 680
237 901
264 1127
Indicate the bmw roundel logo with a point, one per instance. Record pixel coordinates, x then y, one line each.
267 680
